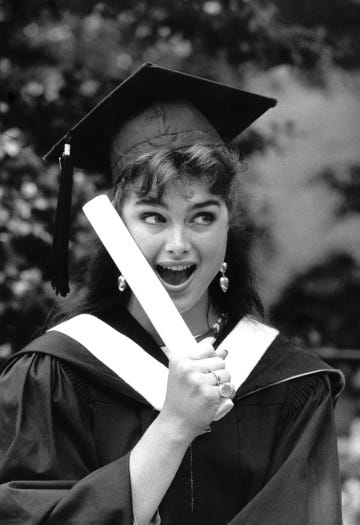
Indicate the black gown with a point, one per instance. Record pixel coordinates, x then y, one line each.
68 424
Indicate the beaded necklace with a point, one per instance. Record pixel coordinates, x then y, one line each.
214 330
212 333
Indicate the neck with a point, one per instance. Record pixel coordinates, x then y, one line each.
198 319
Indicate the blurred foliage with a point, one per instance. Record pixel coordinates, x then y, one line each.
27 207
58 58
321 306
345 180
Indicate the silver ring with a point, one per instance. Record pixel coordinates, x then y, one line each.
227 390
218 381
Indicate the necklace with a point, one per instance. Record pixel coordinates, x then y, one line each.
214 330
212 333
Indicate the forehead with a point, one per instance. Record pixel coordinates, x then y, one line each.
183 188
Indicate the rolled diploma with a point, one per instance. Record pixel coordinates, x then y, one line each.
143 281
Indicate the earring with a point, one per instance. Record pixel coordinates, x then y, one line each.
121 282
224 281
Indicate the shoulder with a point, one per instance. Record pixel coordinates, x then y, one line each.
291 397
53 354
34 352
30 372
40 367
45 349
62 344
57 350
302 366
284 362
305 390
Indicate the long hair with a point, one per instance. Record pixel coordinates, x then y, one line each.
221 168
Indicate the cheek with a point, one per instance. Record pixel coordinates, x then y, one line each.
220 235
216 254
215 247
148 244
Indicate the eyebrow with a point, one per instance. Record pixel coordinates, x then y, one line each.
154 201
209 202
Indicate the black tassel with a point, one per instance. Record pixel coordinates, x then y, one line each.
60 247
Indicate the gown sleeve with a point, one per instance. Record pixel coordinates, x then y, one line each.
303 482
49 472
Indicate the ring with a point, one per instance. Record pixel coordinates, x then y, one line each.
227 390
216 377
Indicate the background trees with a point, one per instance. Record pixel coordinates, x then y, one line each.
59 58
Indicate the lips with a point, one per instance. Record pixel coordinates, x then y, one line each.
175 275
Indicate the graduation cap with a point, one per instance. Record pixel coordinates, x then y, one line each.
154 108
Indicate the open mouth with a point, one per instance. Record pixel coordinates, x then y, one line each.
175 275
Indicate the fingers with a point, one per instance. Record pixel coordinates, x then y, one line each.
210 359
203 350
198 367
210 363
221 353
218 377
227 390
205 360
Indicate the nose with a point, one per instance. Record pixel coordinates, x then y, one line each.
177 242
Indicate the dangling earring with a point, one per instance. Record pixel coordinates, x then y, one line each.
224 281
121 283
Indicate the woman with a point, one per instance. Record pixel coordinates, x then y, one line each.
79 444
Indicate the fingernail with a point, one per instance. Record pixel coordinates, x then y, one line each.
226 353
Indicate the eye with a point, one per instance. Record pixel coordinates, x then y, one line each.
152 218
204 218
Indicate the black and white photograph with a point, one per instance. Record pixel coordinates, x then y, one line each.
180 262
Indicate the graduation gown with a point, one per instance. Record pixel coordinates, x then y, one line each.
68 424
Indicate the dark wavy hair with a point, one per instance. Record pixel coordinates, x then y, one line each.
221 168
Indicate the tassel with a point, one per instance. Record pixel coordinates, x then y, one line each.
60 247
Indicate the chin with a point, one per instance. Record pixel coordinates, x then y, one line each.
185 305
182 307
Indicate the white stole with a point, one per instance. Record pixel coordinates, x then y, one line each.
246 344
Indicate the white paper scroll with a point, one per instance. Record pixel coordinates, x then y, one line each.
143 281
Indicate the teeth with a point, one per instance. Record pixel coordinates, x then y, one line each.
178 268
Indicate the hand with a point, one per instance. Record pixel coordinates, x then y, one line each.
192 396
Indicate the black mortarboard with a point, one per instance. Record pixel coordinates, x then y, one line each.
153 108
